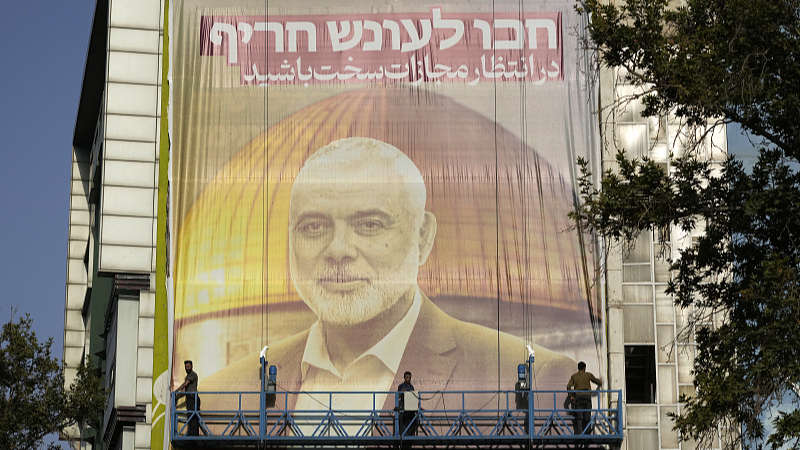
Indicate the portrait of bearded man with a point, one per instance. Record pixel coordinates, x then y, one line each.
358 233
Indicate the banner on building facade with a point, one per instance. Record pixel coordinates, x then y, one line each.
369 189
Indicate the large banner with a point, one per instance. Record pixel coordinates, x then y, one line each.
369 188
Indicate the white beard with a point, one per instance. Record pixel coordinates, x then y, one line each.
362 305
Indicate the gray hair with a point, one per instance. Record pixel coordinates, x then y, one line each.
356 152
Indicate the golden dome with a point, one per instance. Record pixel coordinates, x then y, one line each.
501 209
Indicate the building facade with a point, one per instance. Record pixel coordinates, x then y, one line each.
651 349
111 282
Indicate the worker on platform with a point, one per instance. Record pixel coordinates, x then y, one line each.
189 386
407 417
580 384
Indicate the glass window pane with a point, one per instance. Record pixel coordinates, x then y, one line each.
660 152
633 139
664 307
630 107
669 438
667 390
640 251
661 269
686 389
642 416
685 333
658 128
664 343
676 138
637 293
685 355
642 438
639 324
636 273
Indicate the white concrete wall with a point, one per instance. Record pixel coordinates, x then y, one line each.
129 197
144 369
77 279
126 351
75 333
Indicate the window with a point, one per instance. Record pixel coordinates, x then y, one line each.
640 373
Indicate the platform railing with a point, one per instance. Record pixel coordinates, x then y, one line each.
446 418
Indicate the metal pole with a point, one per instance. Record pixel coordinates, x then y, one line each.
530 399
262 399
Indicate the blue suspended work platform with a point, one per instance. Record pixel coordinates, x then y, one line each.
443 419
269 418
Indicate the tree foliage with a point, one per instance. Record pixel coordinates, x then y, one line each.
706 63
733 59
33 400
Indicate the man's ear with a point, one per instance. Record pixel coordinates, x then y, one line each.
427 232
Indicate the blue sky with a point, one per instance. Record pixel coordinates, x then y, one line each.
43 55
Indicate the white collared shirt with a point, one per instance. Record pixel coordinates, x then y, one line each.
373 371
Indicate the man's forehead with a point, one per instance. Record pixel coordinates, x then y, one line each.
351 207
353 195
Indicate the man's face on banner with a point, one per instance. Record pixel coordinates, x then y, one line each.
354 247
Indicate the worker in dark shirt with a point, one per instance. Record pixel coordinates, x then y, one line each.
406 417
192 401
581 381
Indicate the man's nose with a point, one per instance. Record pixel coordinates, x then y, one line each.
341 248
